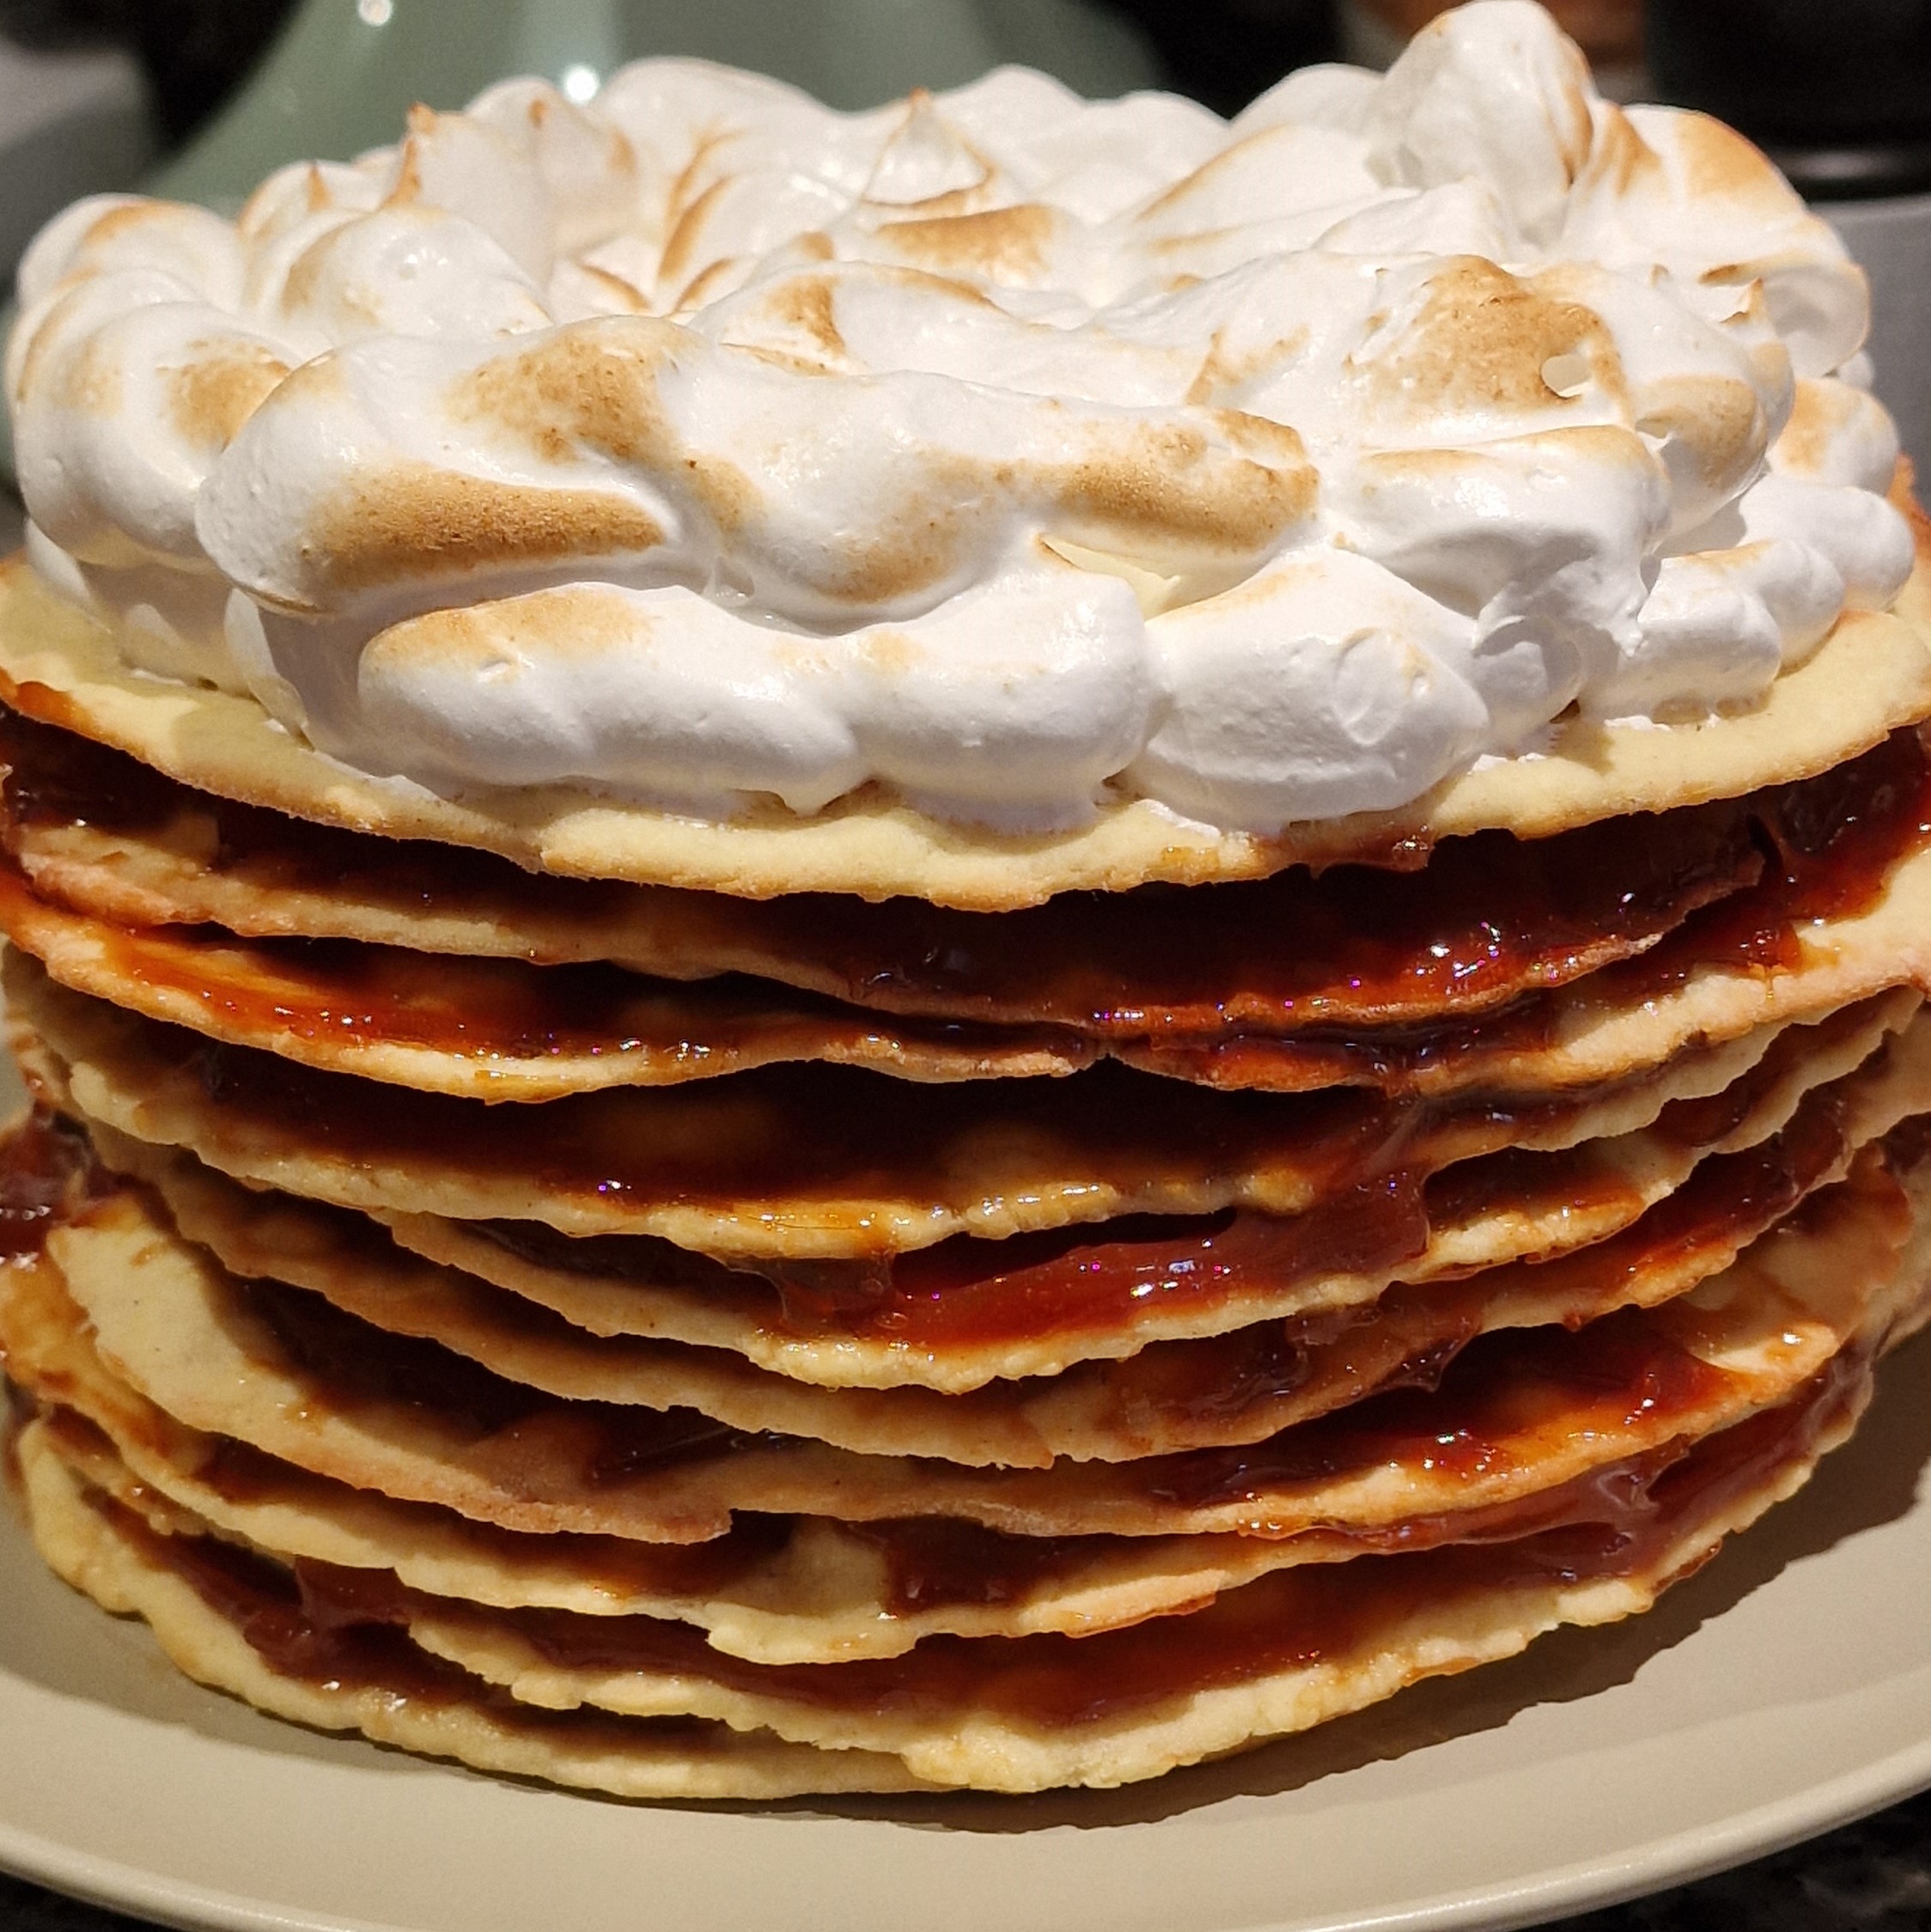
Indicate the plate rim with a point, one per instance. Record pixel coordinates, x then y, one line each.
1586 1885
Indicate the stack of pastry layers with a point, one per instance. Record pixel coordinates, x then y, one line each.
817 1344
980 946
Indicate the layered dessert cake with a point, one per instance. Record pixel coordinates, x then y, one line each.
979 946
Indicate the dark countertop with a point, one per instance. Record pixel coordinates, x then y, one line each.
1874 1876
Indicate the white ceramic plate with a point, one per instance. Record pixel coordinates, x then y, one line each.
1785 1689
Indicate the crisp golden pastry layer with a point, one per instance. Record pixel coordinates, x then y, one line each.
1291 1648
1783 879
1685 1206
1872 676
812 1167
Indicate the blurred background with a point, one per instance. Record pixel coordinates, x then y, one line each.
200 98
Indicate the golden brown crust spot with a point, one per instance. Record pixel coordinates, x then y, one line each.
1230 156
1717 419
587 389
1720 164
953 201
119 220
1391 471
1165 482
928 281
1141 488
680 249
683 189
890 653
697 291
583 388
1620 156
794 321
625 295
1817 412
911 551
265 201
1483 340
413 522
37 351
1261 436
809 304
307 273
409 171
998 243
784 359
210 397
948 206
1219 371
967 293
1137 482
574 621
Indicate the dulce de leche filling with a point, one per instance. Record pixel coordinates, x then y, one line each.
1348 962
327 1624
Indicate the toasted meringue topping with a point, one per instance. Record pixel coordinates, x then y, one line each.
1007 449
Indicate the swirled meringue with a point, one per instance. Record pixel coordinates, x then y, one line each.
1007 450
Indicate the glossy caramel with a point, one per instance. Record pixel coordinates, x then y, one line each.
968 1292
1488 918
325 1625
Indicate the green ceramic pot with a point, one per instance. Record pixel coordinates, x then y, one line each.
344 72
